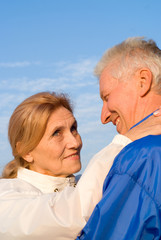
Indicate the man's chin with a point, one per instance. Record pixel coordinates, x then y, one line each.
118 128
121 130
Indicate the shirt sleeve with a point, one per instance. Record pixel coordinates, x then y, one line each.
90 185
125 212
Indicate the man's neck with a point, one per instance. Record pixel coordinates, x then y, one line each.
147 105
149 115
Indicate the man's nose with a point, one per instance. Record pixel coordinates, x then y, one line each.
105 114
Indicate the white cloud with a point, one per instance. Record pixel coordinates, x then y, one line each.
3 125
76 70
17 64
80 68
10 100
66 75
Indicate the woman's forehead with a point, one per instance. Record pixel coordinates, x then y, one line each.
60 116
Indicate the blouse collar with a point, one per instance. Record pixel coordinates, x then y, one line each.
45 183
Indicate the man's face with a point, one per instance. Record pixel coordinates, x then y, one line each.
120 101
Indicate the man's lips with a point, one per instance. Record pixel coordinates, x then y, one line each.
116 121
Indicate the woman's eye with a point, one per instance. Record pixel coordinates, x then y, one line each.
56 133
74 129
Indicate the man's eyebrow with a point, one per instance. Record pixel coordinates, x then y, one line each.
103 96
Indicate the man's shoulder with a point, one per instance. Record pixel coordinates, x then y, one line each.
150 141
145 150
141 161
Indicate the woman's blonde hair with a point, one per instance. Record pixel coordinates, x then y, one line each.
27 126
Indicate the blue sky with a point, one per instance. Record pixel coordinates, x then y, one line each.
55 44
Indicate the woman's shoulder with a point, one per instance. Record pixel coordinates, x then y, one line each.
15 185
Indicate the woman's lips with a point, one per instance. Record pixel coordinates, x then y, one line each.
73 155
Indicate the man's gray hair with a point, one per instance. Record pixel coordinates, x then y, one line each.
132 54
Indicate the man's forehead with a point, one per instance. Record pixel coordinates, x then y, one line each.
105 72
107 82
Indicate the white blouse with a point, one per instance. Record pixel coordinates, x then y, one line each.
45 183
34 206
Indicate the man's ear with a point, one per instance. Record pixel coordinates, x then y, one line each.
145 81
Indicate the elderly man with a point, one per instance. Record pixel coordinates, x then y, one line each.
130 88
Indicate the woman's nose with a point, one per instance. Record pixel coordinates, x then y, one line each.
74 141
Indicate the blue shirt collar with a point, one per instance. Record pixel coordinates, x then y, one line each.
142 120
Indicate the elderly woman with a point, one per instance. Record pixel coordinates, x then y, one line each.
39 198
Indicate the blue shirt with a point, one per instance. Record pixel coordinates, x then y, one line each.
130 208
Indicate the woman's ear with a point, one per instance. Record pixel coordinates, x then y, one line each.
145 81
28 157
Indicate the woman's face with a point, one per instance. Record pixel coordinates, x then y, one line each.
58 152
